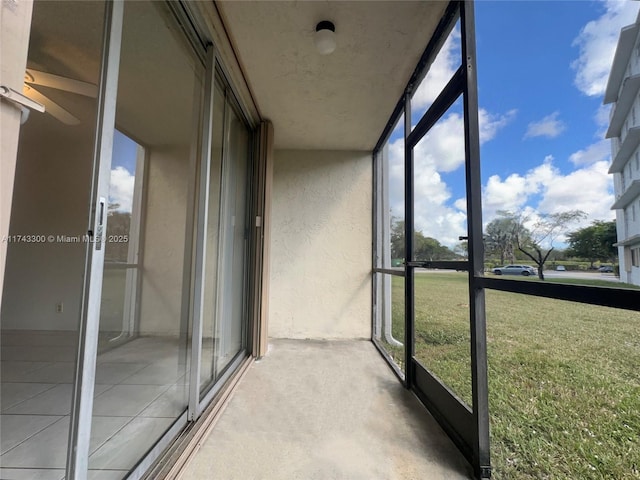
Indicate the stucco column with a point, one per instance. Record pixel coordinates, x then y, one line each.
15 24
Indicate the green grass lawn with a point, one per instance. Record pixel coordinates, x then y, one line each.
564 378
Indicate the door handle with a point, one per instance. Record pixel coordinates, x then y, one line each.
100 223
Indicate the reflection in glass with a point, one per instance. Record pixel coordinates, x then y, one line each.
225 315
42 297
234 233
120 278
141 385
209 314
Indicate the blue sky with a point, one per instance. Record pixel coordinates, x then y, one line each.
532 72
542 69
123 169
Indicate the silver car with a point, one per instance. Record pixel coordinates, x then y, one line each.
525 270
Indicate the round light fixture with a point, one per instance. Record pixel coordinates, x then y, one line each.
325 37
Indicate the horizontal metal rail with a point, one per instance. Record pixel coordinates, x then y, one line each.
398 273
120 266
441 264
626 299
449 94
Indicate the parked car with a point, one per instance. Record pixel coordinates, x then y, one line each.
560 268
525 270
606 269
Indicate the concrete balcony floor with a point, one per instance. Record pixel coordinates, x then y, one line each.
325 410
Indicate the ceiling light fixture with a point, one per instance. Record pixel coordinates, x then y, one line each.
325 37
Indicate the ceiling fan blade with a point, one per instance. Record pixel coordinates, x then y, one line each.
61 83
51 107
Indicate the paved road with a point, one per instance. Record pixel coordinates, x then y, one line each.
593 275
610 277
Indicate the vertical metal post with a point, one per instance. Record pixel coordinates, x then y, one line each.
376 323
83 389
479 376
201 236
263 264
257 238
408 242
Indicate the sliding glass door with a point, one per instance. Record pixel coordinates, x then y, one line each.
142 384
143 164
226 243
187 236
43 287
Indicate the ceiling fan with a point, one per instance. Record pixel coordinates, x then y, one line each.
34 78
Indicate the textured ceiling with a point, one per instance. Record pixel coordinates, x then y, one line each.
340 101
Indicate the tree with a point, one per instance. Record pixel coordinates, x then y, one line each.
397 238
118 225
425 248
594 242
430 249
461 249
538 244
500 236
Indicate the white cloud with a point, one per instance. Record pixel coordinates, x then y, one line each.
596 152
491 124
597 43
541 190
439 152
121 189
514 192
444 66
602 118
589 189
550 127
510 194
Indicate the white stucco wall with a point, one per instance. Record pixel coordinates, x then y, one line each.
51 197
320 250
164 241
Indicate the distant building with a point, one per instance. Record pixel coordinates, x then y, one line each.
624 131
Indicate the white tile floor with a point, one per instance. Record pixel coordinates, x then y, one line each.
140 390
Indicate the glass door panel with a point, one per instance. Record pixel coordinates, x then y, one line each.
141 378
234 243
46 247
210 280
224 304
122 248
